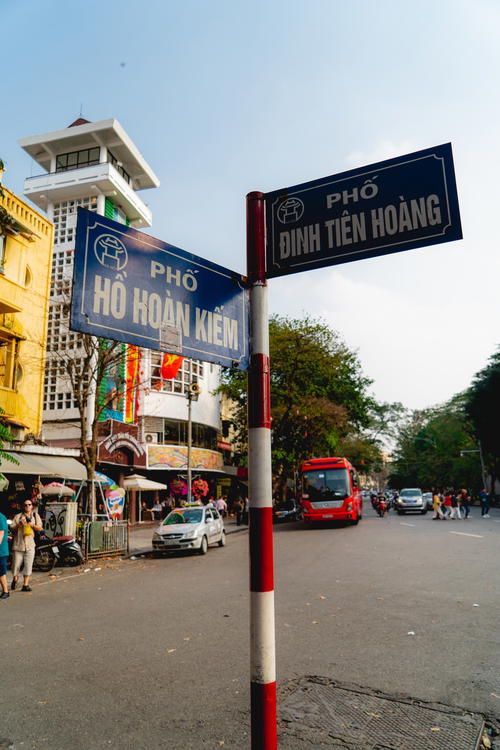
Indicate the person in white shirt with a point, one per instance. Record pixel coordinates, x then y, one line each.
221 506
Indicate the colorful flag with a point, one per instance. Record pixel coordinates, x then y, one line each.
170 365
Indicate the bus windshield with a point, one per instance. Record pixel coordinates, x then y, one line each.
326 484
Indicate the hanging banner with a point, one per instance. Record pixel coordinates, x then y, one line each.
119 389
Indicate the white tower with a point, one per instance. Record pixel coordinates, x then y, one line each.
94 165
97 166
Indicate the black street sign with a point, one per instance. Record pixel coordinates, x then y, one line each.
399 204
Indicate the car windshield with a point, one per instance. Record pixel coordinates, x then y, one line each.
193 515
325 484
411 493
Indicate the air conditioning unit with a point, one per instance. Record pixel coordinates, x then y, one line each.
151 437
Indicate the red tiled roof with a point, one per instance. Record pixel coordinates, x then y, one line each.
80 121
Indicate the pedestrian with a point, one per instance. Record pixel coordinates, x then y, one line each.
485 503
221 506
4 554
464 503
455 510
446 504
24 526
245 510
436 504
238 509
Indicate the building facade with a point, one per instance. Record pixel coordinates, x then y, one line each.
25 269
97 166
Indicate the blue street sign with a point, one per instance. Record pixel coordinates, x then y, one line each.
128 286
399 204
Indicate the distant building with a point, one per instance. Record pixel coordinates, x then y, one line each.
25 258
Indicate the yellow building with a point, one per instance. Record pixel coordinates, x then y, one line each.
26 239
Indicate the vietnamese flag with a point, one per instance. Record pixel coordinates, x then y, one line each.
170 365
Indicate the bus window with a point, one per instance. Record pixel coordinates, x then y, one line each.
326 484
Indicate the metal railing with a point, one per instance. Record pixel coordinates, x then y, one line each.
104 538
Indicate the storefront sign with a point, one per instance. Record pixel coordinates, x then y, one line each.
123 437
175 457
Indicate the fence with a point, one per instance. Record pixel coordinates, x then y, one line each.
104 538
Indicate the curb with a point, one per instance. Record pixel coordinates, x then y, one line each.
148 550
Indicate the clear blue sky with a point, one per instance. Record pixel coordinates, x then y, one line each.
224 97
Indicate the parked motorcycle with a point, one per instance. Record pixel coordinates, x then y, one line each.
46 553
70 552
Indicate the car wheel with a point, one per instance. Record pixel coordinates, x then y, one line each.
203 546
400 512
222 540
423 512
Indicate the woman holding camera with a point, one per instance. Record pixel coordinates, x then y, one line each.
24 526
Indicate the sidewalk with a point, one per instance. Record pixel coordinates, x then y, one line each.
140 538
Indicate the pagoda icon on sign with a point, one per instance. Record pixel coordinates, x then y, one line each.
290 210
110 252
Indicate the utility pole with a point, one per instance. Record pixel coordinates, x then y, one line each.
193 392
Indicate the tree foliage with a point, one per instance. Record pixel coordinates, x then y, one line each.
5 437
428 451
482 405
319 396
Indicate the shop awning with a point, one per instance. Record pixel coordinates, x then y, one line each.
138 482
63 467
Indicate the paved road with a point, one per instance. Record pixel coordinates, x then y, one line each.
154 653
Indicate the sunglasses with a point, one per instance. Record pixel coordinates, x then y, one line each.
27 505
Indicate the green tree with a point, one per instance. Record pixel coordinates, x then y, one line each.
429 449
319 395
5 437
482 405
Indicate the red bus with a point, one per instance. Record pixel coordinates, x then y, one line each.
330 491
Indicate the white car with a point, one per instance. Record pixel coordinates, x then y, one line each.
411 500
191 528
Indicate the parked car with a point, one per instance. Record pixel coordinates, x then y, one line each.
411 500
191 528
428 499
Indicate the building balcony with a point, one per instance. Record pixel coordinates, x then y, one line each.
100 179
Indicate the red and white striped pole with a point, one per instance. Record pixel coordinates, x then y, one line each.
262 646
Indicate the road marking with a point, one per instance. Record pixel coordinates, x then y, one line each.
463 533
401 523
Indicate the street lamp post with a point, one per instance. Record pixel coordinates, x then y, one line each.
480 451
193 392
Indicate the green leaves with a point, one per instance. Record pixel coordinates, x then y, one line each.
482 405
5 437
318 392
429 446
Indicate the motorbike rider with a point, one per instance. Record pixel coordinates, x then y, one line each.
23 526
